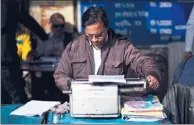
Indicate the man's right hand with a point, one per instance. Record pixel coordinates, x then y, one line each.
187 55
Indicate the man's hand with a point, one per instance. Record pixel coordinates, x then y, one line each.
152 81
187 55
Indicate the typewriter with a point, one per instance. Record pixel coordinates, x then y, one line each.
88 99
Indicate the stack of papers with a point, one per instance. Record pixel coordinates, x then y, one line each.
143 109
34 107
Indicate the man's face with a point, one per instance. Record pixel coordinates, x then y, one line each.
57 29
96 33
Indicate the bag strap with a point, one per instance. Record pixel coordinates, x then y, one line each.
180 71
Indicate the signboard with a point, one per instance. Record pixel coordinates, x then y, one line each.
145 22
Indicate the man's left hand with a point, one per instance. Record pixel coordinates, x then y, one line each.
152 81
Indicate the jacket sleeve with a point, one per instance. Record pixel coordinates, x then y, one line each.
189 36
63 73
32 25
140 63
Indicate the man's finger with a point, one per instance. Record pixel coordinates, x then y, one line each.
151 84
156 84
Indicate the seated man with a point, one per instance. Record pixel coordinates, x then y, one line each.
101 51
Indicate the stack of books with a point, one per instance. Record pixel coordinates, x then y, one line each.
146 108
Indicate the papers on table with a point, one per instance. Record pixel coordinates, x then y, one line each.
34 107
107 78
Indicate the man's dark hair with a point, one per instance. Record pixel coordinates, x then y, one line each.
94 15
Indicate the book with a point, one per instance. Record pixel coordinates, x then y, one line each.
139 104
147 114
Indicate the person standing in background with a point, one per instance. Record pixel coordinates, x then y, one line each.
189 38
58 38
12 83
180 51
23 42
52 48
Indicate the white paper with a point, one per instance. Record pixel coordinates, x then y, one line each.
107 78
34 107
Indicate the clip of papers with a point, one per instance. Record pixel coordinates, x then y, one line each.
34 107
107 78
